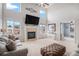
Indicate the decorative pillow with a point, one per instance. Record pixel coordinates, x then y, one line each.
11 45
2 48
18 43
12 37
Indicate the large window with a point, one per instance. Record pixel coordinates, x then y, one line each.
13 6
13 27
42 13
10 23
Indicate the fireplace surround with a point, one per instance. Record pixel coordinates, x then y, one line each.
31 33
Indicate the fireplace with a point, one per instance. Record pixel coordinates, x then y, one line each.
31 35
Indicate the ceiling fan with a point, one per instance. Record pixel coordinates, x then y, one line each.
44 5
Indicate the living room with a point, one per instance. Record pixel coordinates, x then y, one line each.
33 27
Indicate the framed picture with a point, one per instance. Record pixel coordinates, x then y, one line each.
52 28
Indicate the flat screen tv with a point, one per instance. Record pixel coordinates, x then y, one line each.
33 20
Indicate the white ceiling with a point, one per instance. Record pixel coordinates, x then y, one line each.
63 11
56 6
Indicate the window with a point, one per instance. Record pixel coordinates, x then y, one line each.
13 6
10 23
13 27
17 25
13 24
42 13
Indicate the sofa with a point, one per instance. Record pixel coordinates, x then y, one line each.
8 47
20 52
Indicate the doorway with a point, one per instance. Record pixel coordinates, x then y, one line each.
67 31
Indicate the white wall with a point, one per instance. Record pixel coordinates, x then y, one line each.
21 16
58 13
0 9
41 21
0 15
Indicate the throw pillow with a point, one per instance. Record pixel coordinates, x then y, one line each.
12 37
18 44
11 45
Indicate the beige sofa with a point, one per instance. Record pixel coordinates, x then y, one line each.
18 52
11 48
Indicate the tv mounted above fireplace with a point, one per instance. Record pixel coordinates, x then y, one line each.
33 20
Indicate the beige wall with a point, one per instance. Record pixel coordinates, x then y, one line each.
64 13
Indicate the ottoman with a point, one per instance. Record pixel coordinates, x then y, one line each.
53 50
